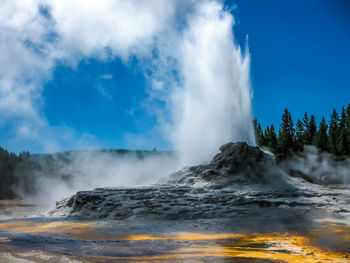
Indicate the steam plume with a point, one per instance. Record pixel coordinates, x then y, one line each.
213 107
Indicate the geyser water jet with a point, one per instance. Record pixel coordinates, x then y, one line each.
213 106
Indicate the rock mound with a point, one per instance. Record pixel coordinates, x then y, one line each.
218 190
235 164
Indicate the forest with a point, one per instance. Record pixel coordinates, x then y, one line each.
19 173
331 136
15 173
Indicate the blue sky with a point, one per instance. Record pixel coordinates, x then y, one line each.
300 55
98 98
300 59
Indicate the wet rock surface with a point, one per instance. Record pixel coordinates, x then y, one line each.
236 163
240 181
195 203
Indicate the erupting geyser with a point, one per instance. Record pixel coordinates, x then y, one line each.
214 105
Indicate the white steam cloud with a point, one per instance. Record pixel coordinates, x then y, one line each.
319 167
213 107
86 170
186 48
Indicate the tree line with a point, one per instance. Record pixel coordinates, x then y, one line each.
332 136
20 173
15 173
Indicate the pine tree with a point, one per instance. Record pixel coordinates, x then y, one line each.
267 136
343 119
313 129
299 136
305 122
322 137
348 118
343 143
342 138
333 132
270 138
260 136
286 133
259 133
255 126
310 131
273 138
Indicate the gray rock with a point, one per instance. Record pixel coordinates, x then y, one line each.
236 163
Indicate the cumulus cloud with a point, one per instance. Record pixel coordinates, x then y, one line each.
110 27
21 65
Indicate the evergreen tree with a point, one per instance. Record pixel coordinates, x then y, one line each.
260 136
343 143
333 132
305 122
342 138
259 133
310 131
270 138
334 138
255 126
267 136
273 138
322 136
299 136
348 118
286 133
343 123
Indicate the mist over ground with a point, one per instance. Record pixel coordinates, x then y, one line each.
318 167
51 177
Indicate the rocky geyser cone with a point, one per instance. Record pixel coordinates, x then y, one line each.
236 163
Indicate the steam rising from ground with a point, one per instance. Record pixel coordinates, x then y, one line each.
188 53
87 170
319 167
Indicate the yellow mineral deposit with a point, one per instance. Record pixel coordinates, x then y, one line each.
32 227
286 247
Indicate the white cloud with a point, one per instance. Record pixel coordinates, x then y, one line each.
104 92
107 76
123 27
